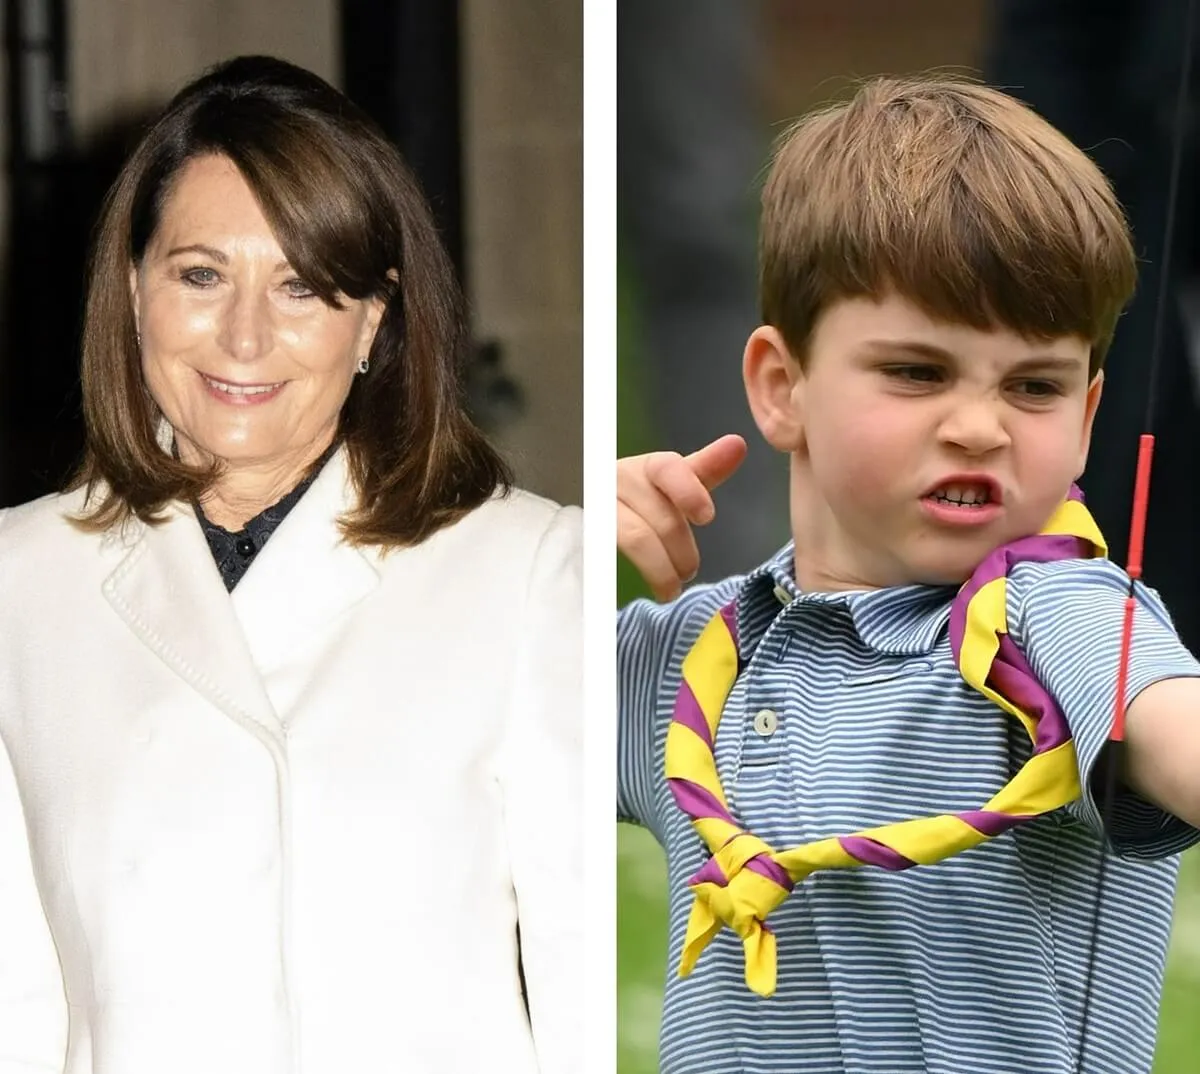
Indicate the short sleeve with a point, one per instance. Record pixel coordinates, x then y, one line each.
652 640
641 663
1066 617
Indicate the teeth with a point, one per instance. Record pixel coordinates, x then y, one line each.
233 389
963 495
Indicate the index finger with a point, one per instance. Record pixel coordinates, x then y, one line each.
673 477
715 463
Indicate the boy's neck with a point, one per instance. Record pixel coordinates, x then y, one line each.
819 561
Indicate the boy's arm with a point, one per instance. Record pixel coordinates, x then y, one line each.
1162 746
651 642
640 665
659 498
1066 618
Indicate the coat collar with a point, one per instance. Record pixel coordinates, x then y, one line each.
305 576
168 591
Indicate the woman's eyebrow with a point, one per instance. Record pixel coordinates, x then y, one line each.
216 255
199 248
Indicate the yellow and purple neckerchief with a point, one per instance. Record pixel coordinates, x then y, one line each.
745 879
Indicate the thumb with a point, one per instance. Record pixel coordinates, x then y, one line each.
715 463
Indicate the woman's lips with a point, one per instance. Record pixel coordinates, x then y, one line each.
235 394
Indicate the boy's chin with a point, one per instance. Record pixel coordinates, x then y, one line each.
953 564
944 578
945 573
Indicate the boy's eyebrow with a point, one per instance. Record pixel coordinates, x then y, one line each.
1052 363
920 349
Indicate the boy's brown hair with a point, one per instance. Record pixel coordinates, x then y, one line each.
957 197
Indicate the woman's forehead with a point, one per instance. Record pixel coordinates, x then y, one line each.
210 204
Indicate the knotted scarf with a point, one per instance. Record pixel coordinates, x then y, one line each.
745 879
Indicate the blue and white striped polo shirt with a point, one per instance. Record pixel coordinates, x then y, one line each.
850 714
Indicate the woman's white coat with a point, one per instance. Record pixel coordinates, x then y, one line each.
292 829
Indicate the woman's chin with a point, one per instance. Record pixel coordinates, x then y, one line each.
230 449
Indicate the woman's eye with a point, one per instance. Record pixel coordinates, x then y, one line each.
199 277
297 288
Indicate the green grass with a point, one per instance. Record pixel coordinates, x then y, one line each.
1178 1027
641 949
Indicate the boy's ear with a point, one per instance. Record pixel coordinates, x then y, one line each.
774 388
1089 418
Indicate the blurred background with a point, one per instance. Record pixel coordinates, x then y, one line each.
703 87
484 97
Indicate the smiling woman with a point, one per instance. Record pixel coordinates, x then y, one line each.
272 236
289 705
227 328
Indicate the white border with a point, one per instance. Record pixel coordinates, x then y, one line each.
599 577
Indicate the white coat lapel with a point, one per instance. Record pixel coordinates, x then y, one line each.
305 575
169 592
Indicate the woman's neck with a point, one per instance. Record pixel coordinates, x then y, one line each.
246 490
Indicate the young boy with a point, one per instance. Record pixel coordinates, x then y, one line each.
941 276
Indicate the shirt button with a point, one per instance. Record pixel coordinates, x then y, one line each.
245 547
782 595
766 722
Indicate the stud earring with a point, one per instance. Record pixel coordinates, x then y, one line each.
364 363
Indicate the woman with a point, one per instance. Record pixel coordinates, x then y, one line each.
289 678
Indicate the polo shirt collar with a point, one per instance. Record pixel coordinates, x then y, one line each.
903 620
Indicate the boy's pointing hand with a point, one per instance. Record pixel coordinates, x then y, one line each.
660 497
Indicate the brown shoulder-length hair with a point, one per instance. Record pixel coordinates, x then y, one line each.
954 195
353 222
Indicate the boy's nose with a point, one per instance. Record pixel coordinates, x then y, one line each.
975 428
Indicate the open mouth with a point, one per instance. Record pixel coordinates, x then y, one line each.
971 493
962 495
240 389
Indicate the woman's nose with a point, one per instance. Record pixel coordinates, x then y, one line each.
245 330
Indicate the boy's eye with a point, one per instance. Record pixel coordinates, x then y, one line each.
916 374
199 276
1038 389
